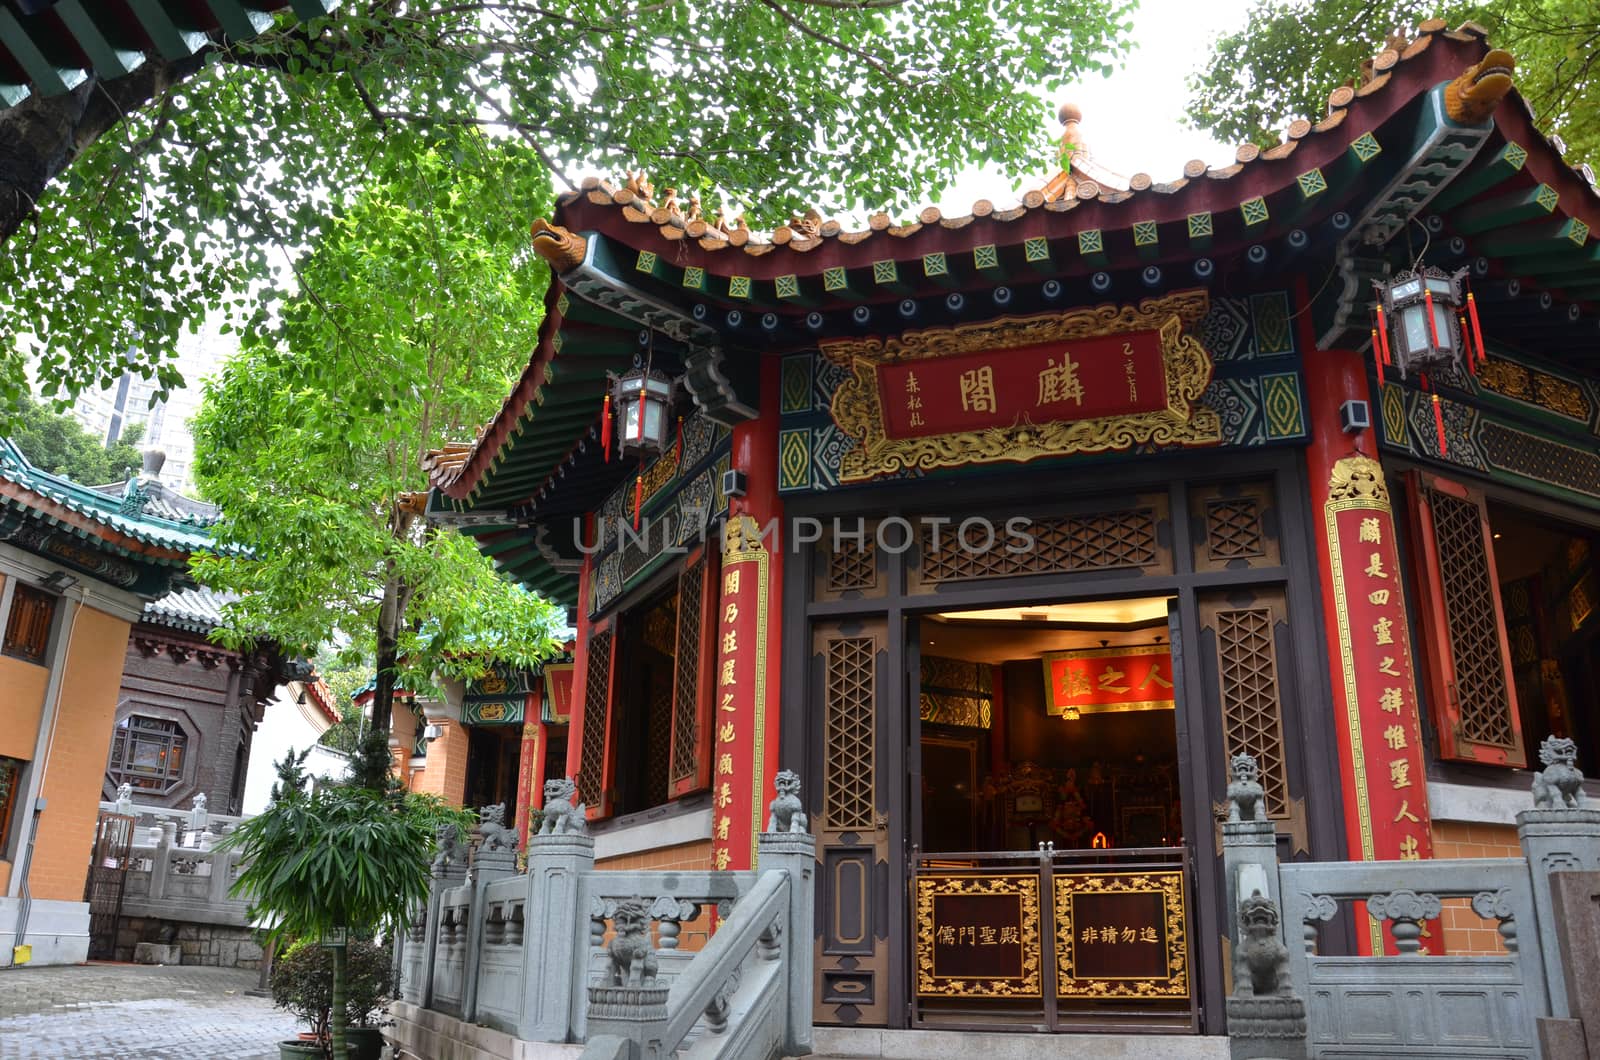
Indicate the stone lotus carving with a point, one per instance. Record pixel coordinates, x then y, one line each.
1261 961
786 813
1560 784
633 962
1244 790
492 826
563 814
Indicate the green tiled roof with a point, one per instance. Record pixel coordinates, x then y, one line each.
102 509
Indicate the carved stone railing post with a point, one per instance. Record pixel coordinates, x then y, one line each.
1405 911
161 863
555 949
449 870
1560 834
495 860
632 1003
796 854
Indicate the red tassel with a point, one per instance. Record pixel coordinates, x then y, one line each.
1383 337
638 495
1472 360
677 457
1477 329
1433 328
1438 424
605 429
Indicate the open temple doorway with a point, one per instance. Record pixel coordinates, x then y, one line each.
1050 877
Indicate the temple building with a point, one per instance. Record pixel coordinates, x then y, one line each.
1008 531
78 569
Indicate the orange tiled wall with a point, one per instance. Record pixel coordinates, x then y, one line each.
89 687
445 774
695 857
1466 933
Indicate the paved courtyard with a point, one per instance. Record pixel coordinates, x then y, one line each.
133 1012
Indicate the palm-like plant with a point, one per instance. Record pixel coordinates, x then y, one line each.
339 860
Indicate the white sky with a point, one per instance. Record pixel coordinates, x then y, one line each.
1132 121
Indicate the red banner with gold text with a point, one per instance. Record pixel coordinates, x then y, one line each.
1111 375
738 779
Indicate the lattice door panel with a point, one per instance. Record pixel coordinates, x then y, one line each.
695 657
1250 691
1466 652
848 689
850 564
592 770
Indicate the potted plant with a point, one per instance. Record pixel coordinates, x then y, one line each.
302 983
335 863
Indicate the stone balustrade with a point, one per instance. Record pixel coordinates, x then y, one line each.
565 953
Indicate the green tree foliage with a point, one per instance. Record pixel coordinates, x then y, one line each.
416 311
59 444
1292 53
122 231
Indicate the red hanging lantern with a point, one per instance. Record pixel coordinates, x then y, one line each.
1423 337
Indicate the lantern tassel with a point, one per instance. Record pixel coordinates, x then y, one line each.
1383 338
1477 329
677 457
1472 359
638 496
605 429
1438 414
1433 327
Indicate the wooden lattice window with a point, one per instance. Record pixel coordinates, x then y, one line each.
694 665
850 770
1233 529
28 625
853 565
1252 715
147 753
10 795
1466 656
594 780
1105 541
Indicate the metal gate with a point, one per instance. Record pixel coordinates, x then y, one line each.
1053 940
113 836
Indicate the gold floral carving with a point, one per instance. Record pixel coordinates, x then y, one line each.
1030 980
1169 885
1358 478
1512 380
859 413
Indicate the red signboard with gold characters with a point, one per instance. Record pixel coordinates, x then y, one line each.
738 781
1379 685
1108 376
1108 680
1019 388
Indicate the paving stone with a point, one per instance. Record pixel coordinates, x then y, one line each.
134 1012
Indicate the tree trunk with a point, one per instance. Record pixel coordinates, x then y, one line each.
391 613
339 1017
44 134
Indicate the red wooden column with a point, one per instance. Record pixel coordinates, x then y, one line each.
745 687
1370 647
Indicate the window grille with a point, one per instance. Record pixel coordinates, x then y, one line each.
148 753
28 627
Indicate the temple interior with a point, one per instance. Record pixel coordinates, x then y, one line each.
1049 723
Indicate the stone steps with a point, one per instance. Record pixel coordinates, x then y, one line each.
840 1043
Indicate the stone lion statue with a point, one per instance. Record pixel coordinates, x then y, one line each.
563 814
1244 790
786 813
448 839
633 962
492 826
1260 961
1560 783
